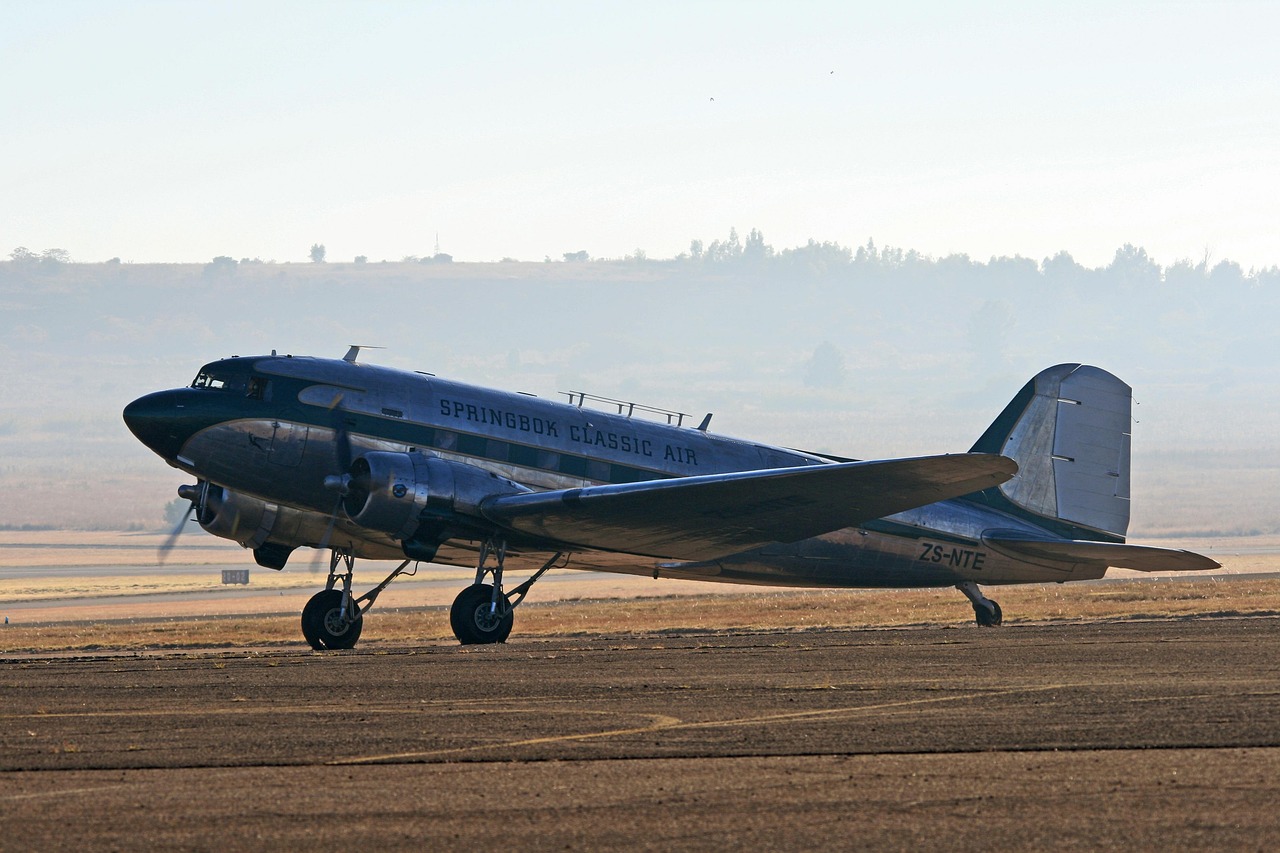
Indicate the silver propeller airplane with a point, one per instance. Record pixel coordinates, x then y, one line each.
365 461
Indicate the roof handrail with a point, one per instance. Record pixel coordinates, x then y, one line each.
625 407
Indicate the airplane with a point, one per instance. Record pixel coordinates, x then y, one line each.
368 462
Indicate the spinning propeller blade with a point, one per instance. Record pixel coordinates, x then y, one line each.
173 537
338 481
341 438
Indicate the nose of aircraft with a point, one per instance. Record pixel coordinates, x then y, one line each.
157 421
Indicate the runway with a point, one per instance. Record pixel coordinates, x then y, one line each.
1158 733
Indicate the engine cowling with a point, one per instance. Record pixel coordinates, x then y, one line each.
390 492
254 523
234 516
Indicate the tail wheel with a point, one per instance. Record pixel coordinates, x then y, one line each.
473 619
988 618
325 624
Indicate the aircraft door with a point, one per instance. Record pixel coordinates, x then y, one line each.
287 443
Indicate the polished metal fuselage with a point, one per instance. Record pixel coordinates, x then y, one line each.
269 432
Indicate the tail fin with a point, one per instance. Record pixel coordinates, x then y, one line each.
1068 430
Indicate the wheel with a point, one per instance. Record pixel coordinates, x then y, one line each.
324 624
473 620
988 618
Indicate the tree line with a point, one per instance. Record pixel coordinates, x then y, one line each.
1131 267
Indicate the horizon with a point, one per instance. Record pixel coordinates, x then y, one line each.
1206 262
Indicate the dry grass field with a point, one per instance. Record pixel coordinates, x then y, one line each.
85 591
687 614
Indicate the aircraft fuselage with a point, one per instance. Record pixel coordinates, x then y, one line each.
264 432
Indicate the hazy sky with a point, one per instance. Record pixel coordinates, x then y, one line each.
181 131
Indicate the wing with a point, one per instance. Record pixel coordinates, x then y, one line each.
706 517
1143 558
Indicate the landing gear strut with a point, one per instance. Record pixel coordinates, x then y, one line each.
985 611
333 618
483 613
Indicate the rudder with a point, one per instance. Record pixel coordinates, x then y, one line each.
1069 431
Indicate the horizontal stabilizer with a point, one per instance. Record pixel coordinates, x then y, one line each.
712 516
1142 558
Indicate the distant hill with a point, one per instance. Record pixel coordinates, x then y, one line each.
857 352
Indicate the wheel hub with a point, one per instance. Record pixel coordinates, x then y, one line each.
486 619
336 622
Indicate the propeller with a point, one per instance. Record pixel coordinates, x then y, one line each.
195 494
340 482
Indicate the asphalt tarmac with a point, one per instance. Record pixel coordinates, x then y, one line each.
1136 734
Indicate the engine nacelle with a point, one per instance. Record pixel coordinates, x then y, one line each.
233 516
252 522
390 492
270 530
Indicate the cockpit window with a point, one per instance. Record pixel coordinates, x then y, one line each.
257 388
204 380
218 383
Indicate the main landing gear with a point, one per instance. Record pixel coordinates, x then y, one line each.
985 611
333 619
482 613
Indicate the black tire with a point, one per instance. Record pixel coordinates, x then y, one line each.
988 618
324 625
308 633
473 622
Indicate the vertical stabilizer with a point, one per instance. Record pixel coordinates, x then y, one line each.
1068 430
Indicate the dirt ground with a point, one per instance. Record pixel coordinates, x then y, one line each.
158 708
1151 734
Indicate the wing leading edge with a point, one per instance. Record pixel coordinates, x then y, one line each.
712 516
